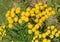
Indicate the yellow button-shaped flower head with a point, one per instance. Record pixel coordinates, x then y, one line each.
12 12
29 31
26 19
17 10
37 33
40 35
10 26
57 35
33 29
20 21
36 41
15 19
51 36
8 13
44 40
30 25
28 9
52 27
48 40
45 5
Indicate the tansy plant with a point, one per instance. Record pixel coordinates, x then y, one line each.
34 18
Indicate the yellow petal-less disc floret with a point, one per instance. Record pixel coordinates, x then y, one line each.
36 41
29 31
20 21
10 26
17 10
15 19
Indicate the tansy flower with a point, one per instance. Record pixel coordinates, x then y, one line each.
44 40
15 19
28 9
29 31
30 25
37 33
12 12
33 29
52 27
20 21
57 35
36 41
40 35
51 36
17 10
48 40
8 13
10 26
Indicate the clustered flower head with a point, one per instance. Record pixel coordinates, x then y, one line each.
34 17
2 31
50 33
12 16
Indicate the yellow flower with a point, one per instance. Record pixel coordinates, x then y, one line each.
15 19
33 29
43 18
53 12
10 21
17 10
55 30
45 5
8 13
12 12
43 35
36 20
37 33
29 31
3 26
57 35
23 13
41 7
46 16
40 35
23 18
52 27
48 32
32 40
35 37
26 19
37 26
51 36
27 14
32 15
28 9
12 15
36 6
30 25
53 33
20 21
49 9
36 41
10 26
44 40
48 40
49 27
32 11
40 3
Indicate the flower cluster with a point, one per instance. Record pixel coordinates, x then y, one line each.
12 17
34 17
2 31
50 33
